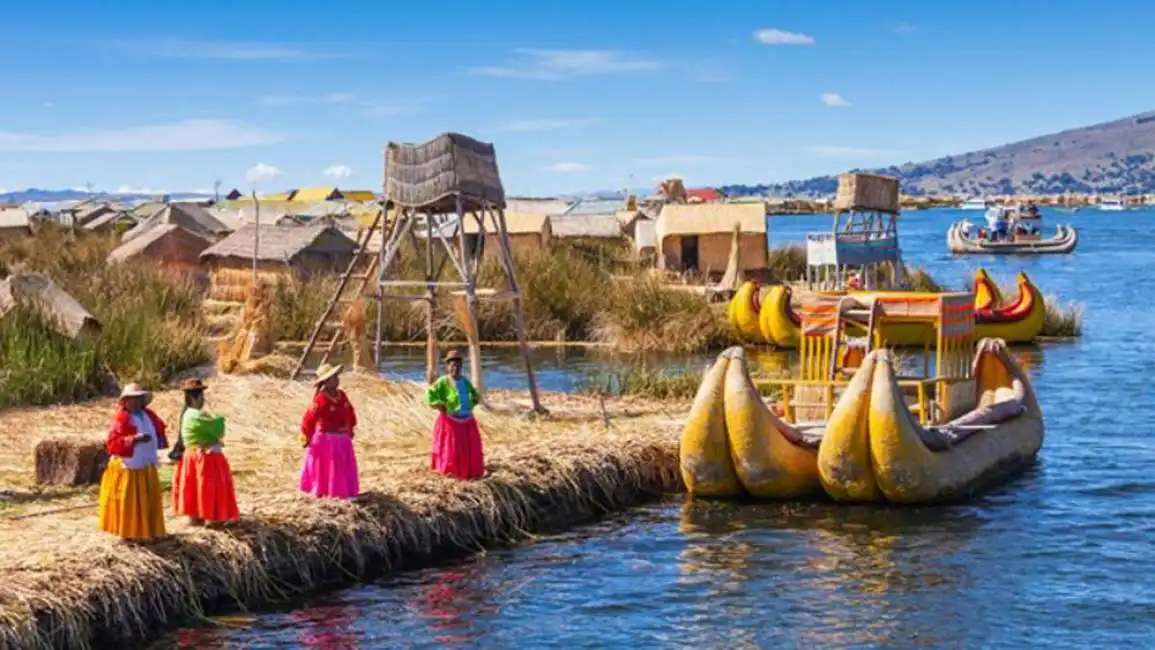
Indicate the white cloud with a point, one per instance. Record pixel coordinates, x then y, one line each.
849 152
180 48
678 160
904 28
128 189
564 64
834 100
189 135
782 37
338 171
527 126
569 167
262 172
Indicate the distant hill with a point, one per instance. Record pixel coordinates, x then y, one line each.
51 196
1109 158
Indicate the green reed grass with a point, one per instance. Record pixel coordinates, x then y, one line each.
152 323
643 379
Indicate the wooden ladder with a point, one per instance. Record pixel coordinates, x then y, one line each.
357 276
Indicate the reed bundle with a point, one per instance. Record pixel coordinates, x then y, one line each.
234 285
253 337
65 585
353 322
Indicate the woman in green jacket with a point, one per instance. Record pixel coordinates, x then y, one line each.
456 438
202 485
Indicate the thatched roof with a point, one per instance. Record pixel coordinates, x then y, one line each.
710 218
110 219
517 223
167 234
586 225
282 243
431 176
55 305
189 216
14 218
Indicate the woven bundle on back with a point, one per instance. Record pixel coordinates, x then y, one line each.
869 192
432 175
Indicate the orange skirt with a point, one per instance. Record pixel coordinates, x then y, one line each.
202 487
130 502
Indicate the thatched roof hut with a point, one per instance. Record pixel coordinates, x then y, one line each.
527 230
15 222
112 221
169 245
592 226
190 216
56 306
306 249
698 236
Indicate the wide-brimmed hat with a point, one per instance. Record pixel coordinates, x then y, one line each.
190 385
326 372
133 390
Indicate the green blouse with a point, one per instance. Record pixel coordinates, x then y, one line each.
444 392
198 429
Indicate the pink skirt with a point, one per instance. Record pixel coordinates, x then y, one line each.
330 468
457 447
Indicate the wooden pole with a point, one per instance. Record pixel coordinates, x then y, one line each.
518 310
430 305
471 328
380 278
256 236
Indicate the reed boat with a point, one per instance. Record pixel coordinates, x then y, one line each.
960 242
1020 321
743 311
894 457
734 445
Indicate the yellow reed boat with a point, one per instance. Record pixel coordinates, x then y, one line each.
779 323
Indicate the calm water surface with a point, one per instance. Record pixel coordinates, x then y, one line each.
1061 558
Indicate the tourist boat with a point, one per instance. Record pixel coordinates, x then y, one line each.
780 323
1112 205
975 414
1025 228
973 204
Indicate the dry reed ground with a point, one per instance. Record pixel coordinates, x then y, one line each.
64 584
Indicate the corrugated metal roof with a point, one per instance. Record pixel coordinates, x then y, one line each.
517 223
598 206
544 205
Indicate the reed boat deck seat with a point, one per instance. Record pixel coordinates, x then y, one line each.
995 408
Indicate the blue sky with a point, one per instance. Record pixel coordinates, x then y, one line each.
576 96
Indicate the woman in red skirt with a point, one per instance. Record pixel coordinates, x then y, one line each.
202 485
456 438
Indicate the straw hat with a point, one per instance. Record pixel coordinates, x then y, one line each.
190 385
134 390
452 355
326 372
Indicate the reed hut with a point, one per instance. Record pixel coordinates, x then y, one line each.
15 223
698 236
528 231
300 250
118 222
169 246
190 216
585 226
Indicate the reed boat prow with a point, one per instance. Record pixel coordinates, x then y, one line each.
704 451
987 293
990 442
844 465
772 458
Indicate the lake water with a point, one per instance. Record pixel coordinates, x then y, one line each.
1061 558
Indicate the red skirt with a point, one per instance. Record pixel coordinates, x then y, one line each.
202 487
457 448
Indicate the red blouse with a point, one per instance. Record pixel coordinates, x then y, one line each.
329 415
121 436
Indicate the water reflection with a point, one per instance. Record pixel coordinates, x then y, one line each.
329 626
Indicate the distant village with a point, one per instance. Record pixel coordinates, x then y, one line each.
681 228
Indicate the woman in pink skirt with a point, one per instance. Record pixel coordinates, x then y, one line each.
456 438
330 468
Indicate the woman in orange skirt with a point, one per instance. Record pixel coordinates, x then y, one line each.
202 485
130 497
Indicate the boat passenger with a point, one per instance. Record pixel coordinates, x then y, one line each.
330 467
202 485
1001 227
853 283
456 438
130 496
